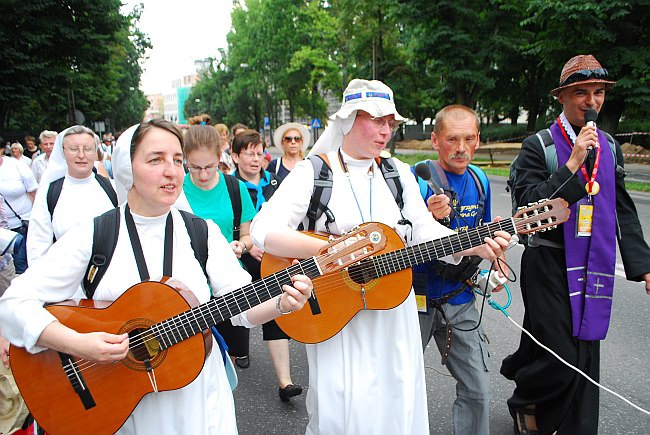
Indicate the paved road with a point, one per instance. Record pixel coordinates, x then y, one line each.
625 355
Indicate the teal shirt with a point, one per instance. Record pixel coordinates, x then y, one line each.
215 204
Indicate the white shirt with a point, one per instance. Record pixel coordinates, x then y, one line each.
80 199
206 405
16 179
368 378
39 165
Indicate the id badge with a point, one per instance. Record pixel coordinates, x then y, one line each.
585 219
421 302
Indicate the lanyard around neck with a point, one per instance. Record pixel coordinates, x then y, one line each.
137 246
371 173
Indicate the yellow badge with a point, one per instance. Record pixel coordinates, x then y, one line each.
585 219
421 302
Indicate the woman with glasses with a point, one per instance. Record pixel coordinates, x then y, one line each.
207 193
82 193
293 139
248 155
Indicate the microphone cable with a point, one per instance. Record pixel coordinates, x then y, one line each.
597 384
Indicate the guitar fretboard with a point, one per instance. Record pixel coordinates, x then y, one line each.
218 309
401 259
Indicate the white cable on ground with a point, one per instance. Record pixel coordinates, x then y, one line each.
576 369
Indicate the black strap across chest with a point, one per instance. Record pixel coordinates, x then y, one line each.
137 246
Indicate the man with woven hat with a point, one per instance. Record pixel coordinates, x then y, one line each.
369 377
567 274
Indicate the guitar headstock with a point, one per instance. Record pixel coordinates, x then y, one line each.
359 243
542 215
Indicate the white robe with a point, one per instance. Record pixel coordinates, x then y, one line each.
368 378
80 199
206 405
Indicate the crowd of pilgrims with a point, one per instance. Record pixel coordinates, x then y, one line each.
212 154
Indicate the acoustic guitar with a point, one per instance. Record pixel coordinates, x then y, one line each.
383 281
68 395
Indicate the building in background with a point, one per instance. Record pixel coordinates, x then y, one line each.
156 107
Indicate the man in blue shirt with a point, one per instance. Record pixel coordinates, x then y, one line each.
445 300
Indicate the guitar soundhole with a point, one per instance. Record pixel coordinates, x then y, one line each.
143 345
361 273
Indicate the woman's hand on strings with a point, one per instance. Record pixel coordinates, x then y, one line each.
294 297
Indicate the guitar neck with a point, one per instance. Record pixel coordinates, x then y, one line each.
401 259
220 308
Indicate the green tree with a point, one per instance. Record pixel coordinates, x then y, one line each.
58 56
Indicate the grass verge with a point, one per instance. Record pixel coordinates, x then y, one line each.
412 159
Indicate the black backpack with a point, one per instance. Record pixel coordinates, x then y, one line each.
106 230
323 188
54 192
232 183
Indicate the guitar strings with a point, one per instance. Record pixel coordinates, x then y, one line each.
224 303
180 321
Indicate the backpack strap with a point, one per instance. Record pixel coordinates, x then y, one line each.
481 181
197 229
391 175
439 175
55 188
106 230
53 193
232 183
548 147
278 162
322 191
108 188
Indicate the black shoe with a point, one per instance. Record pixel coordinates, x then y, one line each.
242 362
289 391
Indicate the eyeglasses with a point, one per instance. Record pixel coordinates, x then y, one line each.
250 155
210 169
289 139
85 150
585 74
380 122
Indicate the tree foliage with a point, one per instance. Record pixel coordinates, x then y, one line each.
63 55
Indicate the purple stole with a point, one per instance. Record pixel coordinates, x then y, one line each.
591 261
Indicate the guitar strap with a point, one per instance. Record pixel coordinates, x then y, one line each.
137 246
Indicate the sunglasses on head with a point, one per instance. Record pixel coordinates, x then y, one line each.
585 74
288 139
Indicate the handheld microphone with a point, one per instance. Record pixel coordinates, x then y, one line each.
590 119
422 170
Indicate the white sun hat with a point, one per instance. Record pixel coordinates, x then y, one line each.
371 96
281 130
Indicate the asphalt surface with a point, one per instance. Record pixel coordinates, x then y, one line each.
624 357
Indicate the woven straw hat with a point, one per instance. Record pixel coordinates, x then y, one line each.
581 69
13 411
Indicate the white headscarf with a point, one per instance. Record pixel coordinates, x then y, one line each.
123 171
371 96
57 166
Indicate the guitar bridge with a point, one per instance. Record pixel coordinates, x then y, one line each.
76 380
